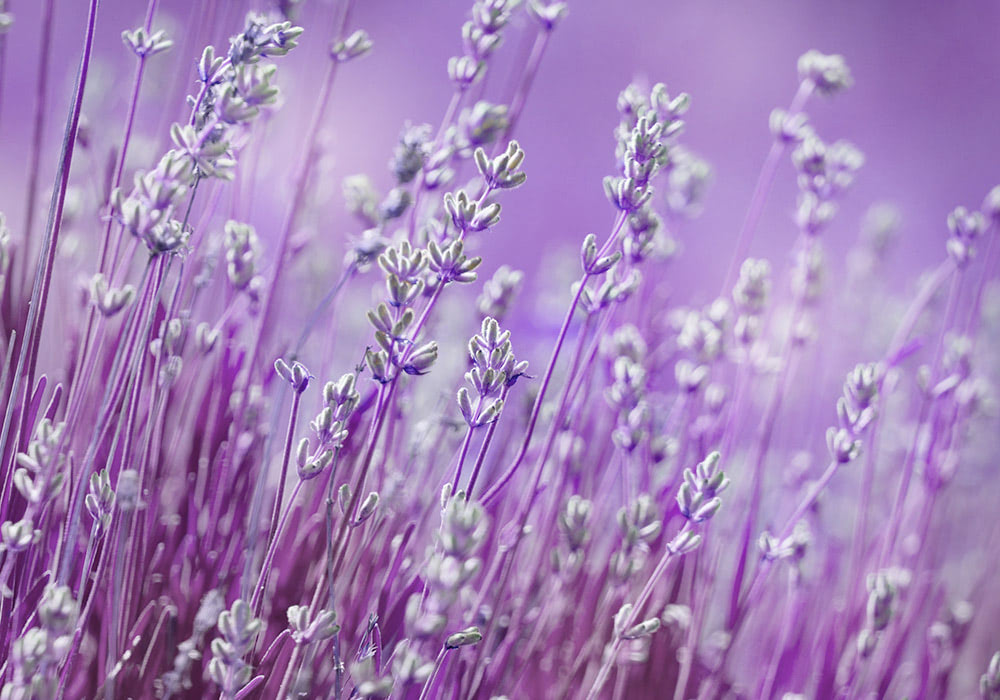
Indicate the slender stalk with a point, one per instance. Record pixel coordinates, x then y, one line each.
895 519
787 625
432 683
41 111
763 188
24 376
647 591
536 410
283 473
257 598
484 448
116 178
464 451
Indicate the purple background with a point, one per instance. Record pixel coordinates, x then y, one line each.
924 107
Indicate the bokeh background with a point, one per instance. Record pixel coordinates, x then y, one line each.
924 109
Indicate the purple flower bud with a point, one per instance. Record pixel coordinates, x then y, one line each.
467 637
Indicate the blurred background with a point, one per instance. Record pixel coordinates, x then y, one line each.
924 109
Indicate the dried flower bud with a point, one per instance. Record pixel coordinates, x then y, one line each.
465 71
297 375
145 45
421 360
684 542
127 493
829 73
356 45
989 682
16 537
547 13
991 205
367 508
842 445
645 628
467 637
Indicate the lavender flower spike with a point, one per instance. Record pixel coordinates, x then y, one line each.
273 432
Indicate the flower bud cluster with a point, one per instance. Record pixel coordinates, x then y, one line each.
6 18
355 46
701 334
627 396
411 152
363 202
100 500
789 128
494 370
824 173
687 182
451 566
242 254
624 341
178 679
234 90
792 548
370 682
617 287
39 475
107 300
646 237
637 635
547 12
467 215
855 410
825 170
481 36
989 682
340 400
639 524
503 172
479 125
450 264
35 657
145 44
307 630
404 267
827 72
238 629
647 128
964 228
884 588
946 636
148 211
574 521
808 272
499 293
698 497
750 297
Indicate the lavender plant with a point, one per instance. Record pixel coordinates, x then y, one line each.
646 514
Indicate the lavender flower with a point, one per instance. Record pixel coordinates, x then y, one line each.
399 509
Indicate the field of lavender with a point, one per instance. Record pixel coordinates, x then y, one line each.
275 429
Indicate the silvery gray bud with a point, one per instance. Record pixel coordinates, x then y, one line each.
127 492
643 629
467 637
354 46
205 337
368 507
302 452
344 497
684 542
